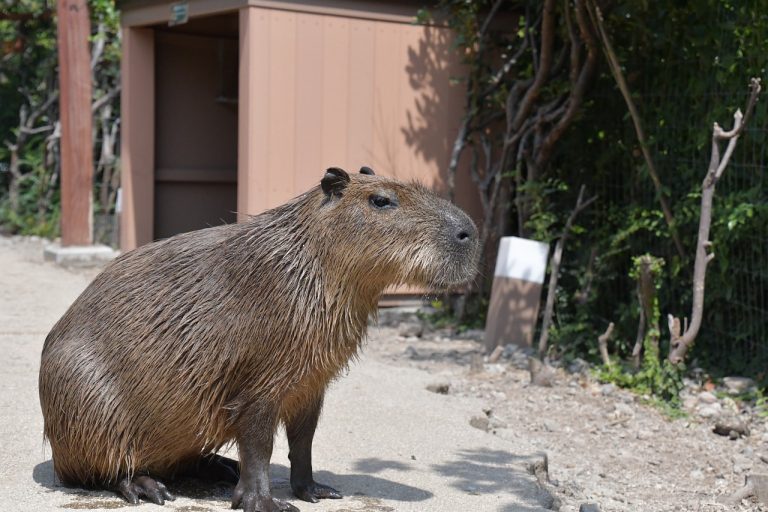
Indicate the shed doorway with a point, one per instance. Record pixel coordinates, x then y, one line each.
196 82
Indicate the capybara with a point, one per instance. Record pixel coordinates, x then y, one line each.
219 335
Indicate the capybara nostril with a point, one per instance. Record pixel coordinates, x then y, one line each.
463 236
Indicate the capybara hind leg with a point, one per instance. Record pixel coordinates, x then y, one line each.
144 487
301 431
216 468
256 432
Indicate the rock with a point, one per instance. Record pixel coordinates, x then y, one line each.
496 368
481 423
738 385
411 353
710 410
697 474
541 374
499 395
471 334
441 388
408 329
578 365
705 397
496 354
589 507
644 434
732 430
763 457
607 389
550 426
621 409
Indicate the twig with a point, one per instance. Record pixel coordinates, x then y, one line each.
554 269
602 344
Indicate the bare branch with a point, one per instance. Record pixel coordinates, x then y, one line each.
681 343
545 62
554 270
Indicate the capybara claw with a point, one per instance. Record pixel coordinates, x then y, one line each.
251 502
144 487
314 492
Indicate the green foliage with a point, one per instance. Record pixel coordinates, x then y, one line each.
687 65
656 377
29 86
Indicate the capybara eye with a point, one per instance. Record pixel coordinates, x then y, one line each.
378 201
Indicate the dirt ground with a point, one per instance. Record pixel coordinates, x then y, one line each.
604 445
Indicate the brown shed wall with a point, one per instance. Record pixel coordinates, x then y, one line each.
317 89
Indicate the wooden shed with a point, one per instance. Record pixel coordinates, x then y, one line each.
231 107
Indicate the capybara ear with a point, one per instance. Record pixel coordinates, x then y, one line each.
334 181
367 170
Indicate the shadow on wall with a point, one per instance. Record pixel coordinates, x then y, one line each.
435 72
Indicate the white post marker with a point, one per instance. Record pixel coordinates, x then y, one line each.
517 282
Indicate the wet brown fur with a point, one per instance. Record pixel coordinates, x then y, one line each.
153 364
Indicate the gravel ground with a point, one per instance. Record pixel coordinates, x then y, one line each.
604 445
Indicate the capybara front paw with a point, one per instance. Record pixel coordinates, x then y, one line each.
253 502
144 487
313 492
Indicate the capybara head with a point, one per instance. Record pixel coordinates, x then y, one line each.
398 233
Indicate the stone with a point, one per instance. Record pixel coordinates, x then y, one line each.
578 365
550 426
408 329
541 373
697 474
481 423
733 430
643 435
710 410
738 385
705 397
589 507
496 354
441 388
411 352
79 255
607 389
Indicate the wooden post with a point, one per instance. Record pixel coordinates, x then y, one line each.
76 123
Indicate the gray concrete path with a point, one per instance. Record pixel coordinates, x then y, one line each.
384 441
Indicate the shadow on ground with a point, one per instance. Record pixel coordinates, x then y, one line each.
360 487
484 471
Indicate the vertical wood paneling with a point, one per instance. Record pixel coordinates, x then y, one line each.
335 87
327 90
253 110
137 114
388 71
310 71
412 86
361 94
282 106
